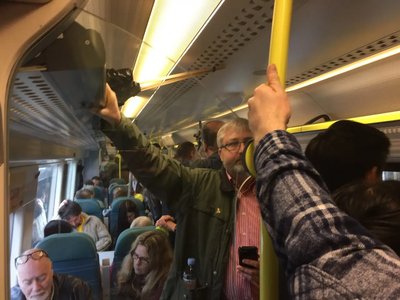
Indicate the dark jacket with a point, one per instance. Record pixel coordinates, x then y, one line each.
212 162
203 200
66 287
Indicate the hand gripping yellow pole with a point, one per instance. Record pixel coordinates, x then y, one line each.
278 54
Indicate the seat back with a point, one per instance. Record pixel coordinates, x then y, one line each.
117 180
75 254
99 193
138 203
124 243
90 207
111 191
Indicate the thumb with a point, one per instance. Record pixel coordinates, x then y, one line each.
273 78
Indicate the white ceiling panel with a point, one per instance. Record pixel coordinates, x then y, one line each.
372 89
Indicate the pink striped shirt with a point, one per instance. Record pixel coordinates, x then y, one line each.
247 233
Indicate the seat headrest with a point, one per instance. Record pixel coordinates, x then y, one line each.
127 237
117 180
117 203
88 205
98 191
68 246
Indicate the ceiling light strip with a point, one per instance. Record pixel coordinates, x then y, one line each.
347 68
187 48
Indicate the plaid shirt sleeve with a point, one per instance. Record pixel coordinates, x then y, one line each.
326 253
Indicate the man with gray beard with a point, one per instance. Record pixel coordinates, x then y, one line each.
240 282
216 210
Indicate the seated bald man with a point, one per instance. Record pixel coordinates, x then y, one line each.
36 280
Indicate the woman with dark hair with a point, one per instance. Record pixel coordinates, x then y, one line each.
58 226
145 269
128 211
376 206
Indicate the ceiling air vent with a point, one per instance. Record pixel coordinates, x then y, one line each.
37 107
357 54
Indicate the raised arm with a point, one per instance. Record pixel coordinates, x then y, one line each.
164 177
326 253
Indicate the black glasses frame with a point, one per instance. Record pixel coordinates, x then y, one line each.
235 144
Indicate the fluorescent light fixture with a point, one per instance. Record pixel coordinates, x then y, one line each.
230 111
173 27
347 68
133 106
336 72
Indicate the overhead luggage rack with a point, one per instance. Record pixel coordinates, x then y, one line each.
54 90
35 104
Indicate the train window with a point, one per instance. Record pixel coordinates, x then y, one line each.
47 186
28 221
46 199
71 180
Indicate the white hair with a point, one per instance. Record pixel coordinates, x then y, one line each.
235 124
141 222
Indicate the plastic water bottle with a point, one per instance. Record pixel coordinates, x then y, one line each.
189 276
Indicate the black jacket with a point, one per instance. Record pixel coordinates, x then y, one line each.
66 287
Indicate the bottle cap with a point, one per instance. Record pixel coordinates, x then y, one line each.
191 261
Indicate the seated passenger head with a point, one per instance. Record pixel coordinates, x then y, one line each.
348 151
84 194
186 151
88 182
120 192
35 274
150 256
141 222
232 138
111 157
58 226
71 212
96 180
210 131
128 211
376 206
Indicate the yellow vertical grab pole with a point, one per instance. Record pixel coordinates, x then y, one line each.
278 54
120 164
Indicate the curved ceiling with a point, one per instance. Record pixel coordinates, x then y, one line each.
321 32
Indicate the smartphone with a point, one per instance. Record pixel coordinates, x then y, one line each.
247 252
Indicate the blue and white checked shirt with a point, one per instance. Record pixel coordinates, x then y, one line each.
326 253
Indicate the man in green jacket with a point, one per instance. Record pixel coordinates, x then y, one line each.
217 211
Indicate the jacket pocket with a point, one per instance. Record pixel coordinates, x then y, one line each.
183 293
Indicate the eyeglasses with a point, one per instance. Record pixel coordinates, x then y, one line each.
234 146
142 259
22 259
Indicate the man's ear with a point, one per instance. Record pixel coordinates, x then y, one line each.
219 153
205 147
372 175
